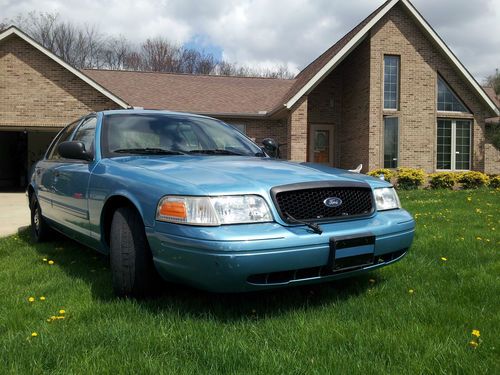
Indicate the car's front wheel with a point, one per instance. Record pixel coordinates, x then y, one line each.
132 265
40 230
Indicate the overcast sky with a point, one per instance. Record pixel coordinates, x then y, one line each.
272 32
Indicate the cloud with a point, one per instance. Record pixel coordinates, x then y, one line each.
274 32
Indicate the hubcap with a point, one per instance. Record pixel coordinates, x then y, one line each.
36 219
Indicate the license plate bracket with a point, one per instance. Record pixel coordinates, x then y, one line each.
351 252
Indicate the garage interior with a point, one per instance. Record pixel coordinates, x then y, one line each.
19 150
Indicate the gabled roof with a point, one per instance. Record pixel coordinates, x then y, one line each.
12 30
315 72
339 49
204 94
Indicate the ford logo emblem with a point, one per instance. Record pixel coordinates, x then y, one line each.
332 202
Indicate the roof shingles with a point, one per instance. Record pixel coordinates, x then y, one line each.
194 93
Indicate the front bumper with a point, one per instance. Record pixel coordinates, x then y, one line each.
238 258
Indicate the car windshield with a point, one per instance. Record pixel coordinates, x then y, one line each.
170 134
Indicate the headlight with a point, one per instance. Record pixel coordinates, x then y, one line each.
232 209
386 199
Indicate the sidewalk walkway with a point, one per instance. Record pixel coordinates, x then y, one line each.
14 213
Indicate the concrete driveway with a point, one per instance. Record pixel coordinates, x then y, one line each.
14 213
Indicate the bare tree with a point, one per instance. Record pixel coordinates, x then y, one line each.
159 55
493 80
115 53
84 46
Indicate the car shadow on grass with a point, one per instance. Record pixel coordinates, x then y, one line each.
91 267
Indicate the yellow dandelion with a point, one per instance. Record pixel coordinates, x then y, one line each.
473 344
469 199
62 312
475 332
371 281
479 238
478 210
444 259
42 298
411 291
44 259
31 299
34 334
51 262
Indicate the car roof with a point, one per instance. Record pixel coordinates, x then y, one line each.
151 111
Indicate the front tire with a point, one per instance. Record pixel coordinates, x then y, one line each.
132 265
40 230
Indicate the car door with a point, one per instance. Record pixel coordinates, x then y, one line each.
44 172
70 183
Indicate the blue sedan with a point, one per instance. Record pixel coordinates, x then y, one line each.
191 199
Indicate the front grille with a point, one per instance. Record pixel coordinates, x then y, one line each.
283 277
306 202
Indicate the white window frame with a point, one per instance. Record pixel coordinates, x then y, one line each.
454 145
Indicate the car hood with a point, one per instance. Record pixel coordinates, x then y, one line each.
238 174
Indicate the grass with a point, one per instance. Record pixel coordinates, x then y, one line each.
351 326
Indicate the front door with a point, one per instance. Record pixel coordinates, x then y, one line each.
321 144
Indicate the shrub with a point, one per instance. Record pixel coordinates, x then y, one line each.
443 180
410 178
473 180
388 174
495 182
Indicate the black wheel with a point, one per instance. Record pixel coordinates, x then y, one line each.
132 266
40 230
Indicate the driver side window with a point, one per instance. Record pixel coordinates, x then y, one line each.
86 134
53 153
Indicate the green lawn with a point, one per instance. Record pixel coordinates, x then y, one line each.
371 324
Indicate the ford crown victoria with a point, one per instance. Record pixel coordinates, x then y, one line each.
195 201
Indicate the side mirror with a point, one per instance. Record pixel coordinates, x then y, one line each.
271 147
73 150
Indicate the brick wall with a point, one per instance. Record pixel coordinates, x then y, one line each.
354 135
36 91
324 107
297 131
421 62
342 100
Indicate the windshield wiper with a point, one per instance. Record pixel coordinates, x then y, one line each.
315 227
148 151
216 151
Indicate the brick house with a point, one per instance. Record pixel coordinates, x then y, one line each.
390 93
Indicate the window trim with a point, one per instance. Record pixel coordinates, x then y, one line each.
398 83
454 145
398 126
